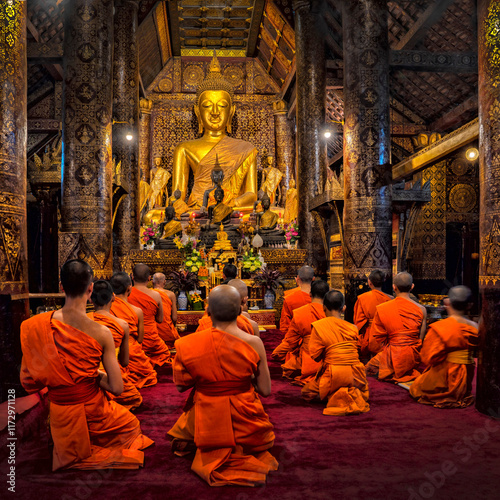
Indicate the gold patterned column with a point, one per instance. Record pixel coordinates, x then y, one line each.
311 152
145 139
126 129
86 211
285 143
13 234
488 370
367 172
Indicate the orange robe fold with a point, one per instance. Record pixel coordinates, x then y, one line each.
396 337
242 321
341 379
141 370
166 330
448 351
296 342
154 347
89 432
130 398
292 301
228 423
364 312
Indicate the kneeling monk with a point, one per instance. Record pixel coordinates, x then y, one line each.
448 351
341 380
228 424
62 350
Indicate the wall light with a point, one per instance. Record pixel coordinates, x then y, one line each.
129 137
471 154
327 134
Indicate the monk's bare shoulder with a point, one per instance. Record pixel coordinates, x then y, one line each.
122 323
137 310
170 295
98 332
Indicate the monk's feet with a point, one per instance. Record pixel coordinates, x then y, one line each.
182 447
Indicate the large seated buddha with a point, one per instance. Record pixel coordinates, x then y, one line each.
214 109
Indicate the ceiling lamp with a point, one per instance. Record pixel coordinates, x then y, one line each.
471 154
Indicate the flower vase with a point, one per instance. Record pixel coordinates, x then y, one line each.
288 245
150 245
268 299
182 301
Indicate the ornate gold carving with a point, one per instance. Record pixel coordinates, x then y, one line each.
463 198
192 75
146 105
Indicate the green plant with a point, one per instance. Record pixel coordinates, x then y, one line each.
270 279
179 281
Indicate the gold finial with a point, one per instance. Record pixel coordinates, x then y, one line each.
214 80
214 64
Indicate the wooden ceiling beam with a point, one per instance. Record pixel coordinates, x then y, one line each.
442 62
253 34
419 29
173 15
456 116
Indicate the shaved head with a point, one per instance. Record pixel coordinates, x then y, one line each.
403 282
224 304
76 277
334 301
241 287
460 297
120 282
319 289
306 274
377 277
158 278
141 273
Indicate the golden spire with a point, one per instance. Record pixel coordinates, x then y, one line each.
214 80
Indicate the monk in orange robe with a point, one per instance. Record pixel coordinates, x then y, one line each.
366 306
166 330
141 371
243 291
151 304
448 352
341 379
62 351
227 421
298 363
397 330
102 298
243 323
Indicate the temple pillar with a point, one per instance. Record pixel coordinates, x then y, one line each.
311 153
13 234
126 226
285 157
488 371
367 171
145 139
86 210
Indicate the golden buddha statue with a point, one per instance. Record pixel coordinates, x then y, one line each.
169 229
214 109
144 189
222 242
271 178
269 219
158 185
180 206
291 203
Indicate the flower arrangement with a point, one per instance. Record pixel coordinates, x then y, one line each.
183 281
292 231
193 259
269 279
251 261
151 233
195 300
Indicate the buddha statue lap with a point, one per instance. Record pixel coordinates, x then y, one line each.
238 158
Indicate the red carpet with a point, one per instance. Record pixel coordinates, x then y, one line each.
399 450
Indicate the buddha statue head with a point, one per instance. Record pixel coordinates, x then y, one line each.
177 194
214 106
169 214
266 202
217 174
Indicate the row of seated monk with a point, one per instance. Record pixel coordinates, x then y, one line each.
94 365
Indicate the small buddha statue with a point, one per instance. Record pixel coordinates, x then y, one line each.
219 213
271 178
158 185
291 203
222 242
268 220
180 206
169 229
217 177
